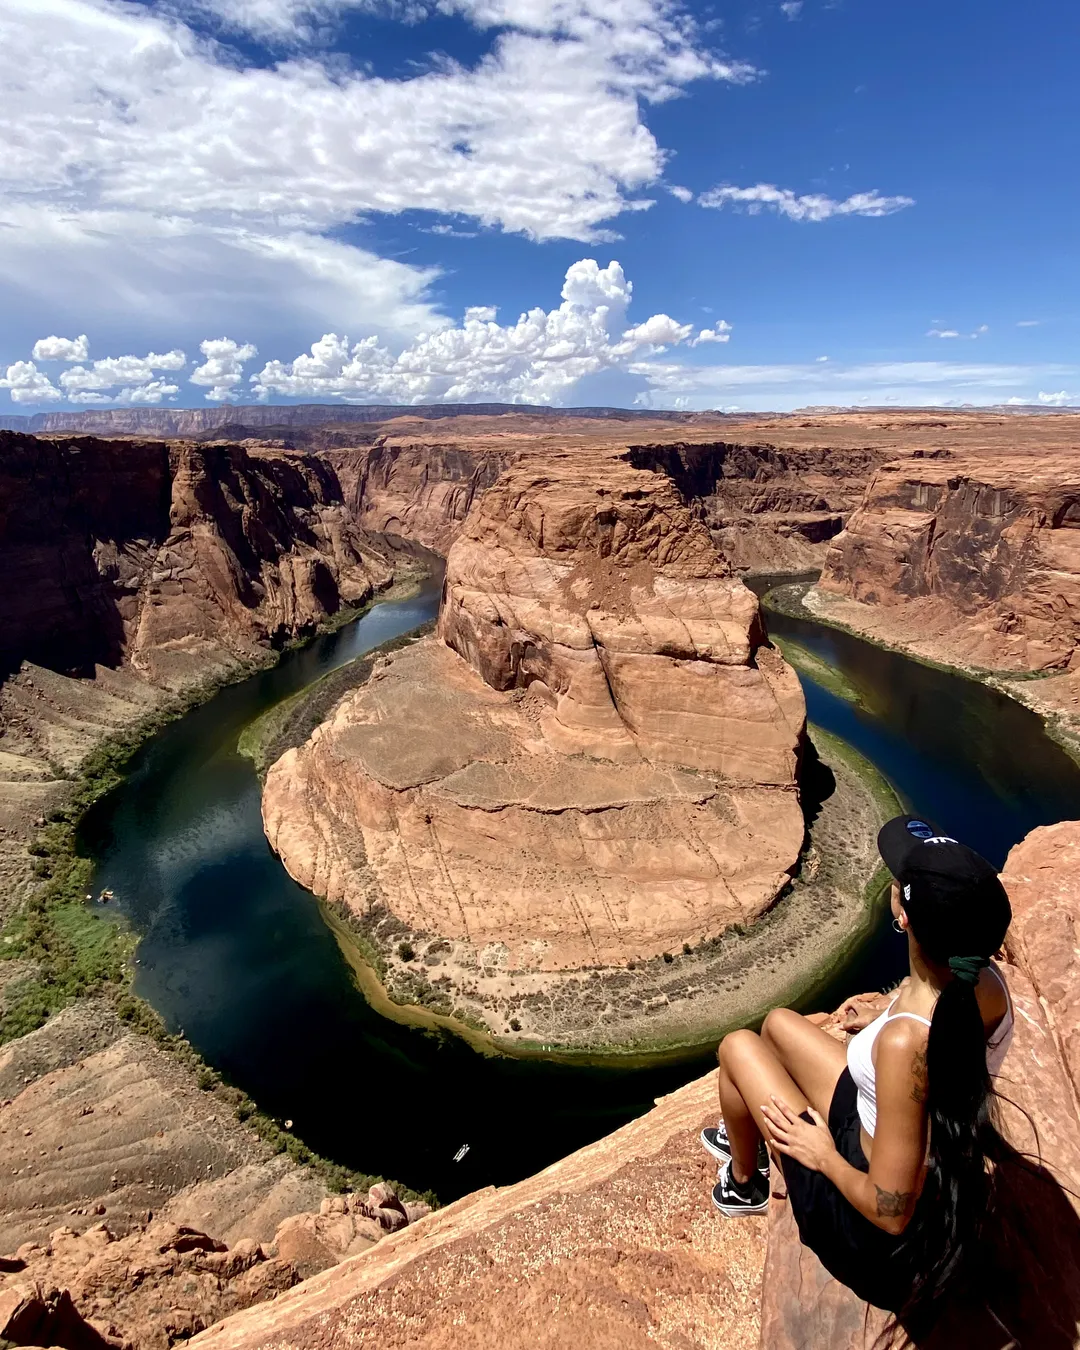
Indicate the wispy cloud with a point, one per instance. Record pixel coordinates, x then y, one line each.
674 383
1029 323
809 206
448 232
979 332
791 9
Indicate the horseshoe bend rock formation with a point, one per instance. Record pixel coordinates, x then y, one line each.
976 558
594 761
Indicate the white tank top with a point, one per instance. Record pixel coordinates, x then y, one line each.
860 1054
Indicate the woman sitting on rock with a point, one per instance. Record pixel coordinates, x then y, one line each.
884 1144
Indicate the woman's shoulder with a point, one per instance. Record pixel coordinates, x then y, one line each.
900 1065
993 995
903 1033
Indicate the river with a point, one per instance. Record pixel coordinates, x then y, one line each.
237 956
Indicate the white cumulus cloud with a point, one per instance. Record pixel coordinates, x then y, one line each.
62 349
810 206
156 176
791 9
223 368
85 384
29 385
115 106
538 359
719 332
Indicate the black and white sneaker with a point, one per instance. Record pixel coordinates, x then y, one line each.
716 1143
732 1200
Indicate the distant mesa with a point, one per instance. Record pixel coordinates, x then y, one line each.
194 421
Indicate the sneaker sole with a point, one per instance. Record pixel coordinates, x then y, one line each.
737 1211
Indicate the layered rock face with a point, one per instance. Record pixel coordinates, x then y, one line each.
1042 874
178 559
595 761
769 508
260 548
983 550
593 587
419 491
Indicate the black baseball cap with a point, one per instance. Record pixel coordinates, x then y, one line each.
932 866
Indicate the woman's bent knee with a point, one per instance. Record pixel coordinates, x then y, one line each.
736 1045
777 1022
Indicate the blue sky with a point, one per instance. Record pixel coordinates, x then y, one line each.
736 205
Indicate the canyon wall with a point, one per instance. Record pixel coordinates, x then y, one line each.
194 421
981 550
178 559
769 508
420 491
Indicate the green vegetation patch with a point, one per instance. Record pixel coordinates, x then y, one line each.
72 949
811 665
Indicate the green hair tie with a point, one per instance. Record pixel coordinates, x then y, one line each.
968 968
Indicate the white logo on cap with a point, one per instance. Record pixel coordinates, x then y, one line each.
940 839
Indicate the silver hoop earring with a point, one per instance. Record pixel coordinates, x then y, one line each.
898 926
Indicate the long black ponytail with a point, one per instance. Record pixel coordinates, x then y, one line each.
944 1240
943 1243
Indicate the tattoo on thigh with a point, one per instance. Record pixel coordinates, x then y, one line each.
892 1204
920 1080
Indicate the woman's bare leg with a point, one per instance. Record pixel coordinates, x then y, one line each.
813 1059
750 1074
791 1059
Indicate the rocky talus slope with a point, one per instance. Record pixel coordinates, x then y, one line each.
140 1197
593 763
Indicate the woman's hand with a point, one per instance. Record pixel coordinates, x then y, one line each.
811 1145
854 1018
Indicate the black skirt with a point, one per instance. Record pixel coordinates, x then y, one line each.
851 1248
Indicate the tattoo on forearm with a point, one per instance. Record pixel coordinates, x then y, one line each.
919 1077
892 1204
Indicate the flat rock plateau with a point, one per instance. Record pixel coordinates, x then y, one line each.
138 568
